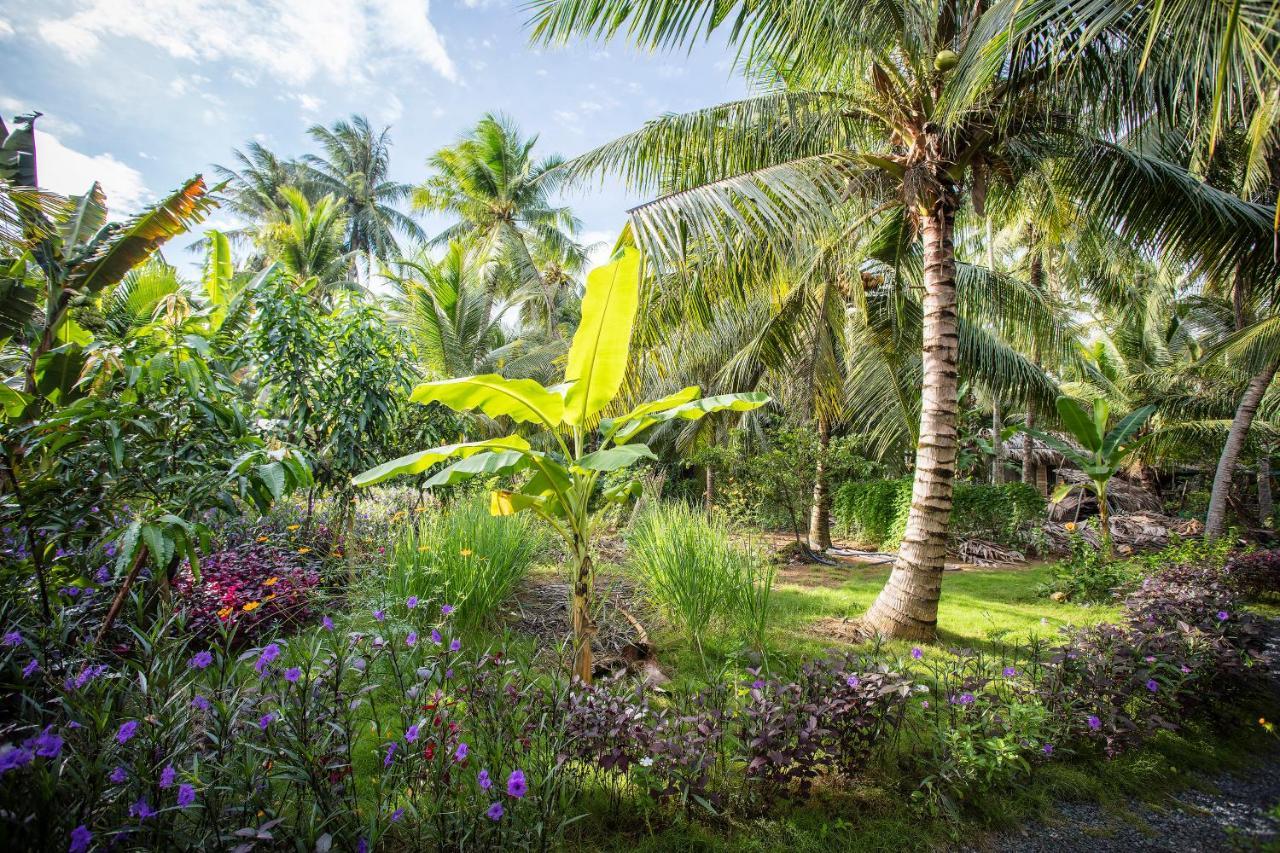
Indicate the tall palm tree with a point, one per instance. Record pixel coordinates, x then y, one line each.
911 105
502 200
255 182
355 169
309 243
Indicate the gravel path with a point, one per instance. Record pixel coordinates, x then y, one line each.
1236 812
1235 816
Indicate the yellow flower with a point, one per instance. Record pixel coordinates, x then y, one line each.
422 549
466 552
271 581
293 526
262 538
335 553
251 606
420 510
304 550
225 612
269 597
1070 527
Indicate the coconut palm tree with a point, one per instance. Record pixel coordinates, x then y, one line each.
355 169
309 243
910 105
501 198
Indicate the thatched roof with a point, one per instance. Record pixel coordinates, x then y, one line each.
1012 448
1122 496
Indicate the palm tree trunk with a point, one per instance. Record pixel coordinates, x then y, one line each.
820 513
1266 505
1029 452
997 445
1215 519
908 605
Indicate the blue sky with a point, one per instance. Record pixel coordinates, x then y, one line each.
140 94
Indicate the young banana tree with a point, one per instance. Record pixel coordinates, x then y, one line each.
584 446
1104 451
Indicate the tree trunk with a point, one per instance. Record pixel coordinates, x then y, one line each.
117 603
709 489
820 513
1215 519
1029 452
583 628
1265 504
1104 520
997 445
907 607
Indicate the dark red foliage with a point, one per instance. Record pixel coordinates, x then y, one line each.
277 588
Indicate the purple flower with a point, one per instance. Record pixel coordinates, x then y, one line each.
924 703
411 733
916 653
1010 672
516 785
758 684
48 744
966 699
494 812
852 681
435 636
292 674
11 639
269 654
446 609
396 815
411 602
201 660
379 615
142 810
391 754
119 776
1152 685
455 644
448 673
362 845
81 837
460 754
200 703
30 669
266 720
326 623
482 778
1047 749
102 575
168 776
1094 722
186 795
1223 615
412 639
13 757
127 730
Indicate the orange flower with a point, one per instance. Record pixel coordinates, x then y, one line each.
1070 526
269 597
271 581
263 538
225 612
251 606
304 550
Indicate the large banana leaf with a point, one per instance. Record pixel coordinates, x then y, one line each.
486 464
598 355
694 410
219 269
1079 423
17 299
1124 430
140 237
88 215
613 458
416 463
518 399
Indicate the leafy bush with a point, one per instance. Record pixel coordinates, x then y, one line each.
876 511
465 557
249 589
1087 575
698 575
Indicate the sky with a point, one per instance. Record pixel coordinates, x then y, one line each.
142 94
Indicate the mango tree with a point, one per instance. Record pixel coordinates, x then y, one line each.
581 445
1104 451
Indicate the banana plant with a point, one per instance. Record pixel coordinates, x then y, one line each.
1104 450
564 479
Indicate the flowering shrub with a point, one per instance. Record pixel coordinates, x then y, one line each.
248 589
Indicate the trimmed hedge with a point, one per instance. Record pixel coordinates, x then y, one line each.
876 510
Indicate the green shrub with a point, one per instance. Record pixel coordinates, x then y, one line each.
465 557
1087 576
875 511
698 576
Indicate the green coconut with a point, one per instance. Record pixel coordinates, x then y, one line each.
946 60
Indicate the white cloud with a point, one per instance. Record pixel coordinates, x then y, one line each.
292 40
599 244
10 107
390 109
309 103
6 28
70 172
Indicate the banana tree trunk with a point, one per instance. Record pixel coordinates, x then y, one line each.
583 628
1104 519
1215 519
820 513
907 607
